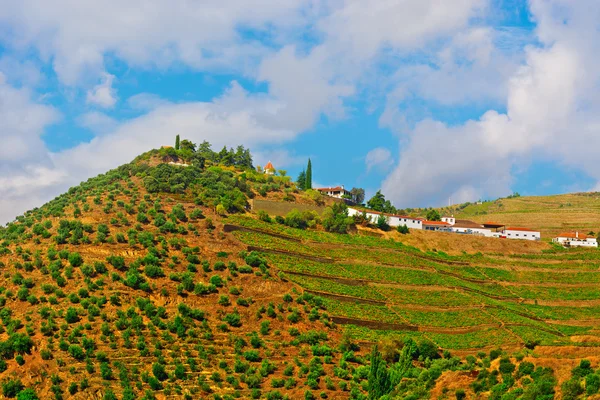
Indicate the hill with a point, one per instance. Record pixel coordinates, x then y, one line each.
550 214
155 281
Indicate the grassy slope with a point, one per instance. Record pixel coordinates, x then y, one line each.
550 214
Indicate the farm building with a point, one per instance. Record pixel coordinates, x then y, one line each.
467 227
440 226
393 220
575 239
521 233
338 192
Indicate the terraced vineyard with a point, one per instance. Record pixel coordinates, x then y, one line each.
153 281
468 302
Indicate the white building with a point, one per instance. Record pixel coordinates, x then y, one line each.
441 226
392 219
575 239
467 227
338 192
269 169
521 233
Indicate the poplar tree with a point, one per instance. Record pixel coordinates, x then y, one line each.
177 142
308 179
380 383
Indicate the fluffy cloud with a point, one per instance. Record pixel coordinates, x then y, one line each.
379 158
77 35
552 110
103 94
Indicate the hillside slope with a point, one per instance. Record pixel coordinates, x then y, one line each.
550 214
155 281
127 286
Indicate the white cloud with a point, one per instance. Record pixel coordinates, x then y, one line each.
77 35
97 122
552 113
379 158
103 94
145 101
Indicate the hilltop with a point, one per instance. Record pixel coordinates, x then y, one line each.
158 280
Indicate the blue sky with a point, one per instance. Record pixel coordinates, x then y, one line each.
427 101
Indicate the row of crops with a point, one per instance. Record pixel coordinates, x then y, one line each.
459 306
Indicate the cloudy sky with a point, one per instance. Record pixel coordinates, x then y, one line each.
426 99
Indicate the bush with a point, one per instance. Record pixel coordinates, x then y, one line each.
27 394
264 216
403 229
335 218
12 387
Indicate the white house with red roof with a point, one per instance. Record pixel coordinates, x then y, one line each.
467 227
521 233
338 192
269 169
393 220
575 239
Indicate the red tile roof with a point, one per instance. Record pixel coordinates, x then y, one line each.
521 229
269 166
436 223
331 189
573 235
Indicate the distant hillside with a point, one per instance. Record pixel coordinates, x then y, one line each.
549 214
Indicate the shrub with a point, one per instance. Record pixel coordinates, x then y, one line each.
27 394
12 387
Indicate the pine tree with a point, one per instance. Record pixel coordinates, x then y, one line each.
308 179
177 142
301 181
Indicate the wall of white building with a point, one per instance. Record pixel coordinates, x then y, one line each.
473 231
393 220
523 235
590 242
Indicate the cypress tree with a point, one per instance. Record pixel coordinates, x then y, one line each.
308 178
380 383
177 142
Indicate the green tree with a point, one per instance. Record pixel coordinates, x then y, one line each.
380 383
188 145
301 180
433 215
177 144
308 179
358 194
336 219
377 202
382 223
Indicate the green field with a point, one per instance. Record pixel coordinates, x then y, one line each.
460 302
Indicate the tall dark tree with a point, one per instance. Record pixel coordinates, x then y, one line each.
380 382
301 181
187 145
379 203
177 142
358 194
308 179
205 150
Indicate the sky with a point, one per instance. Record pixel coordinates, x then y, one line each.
430 101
